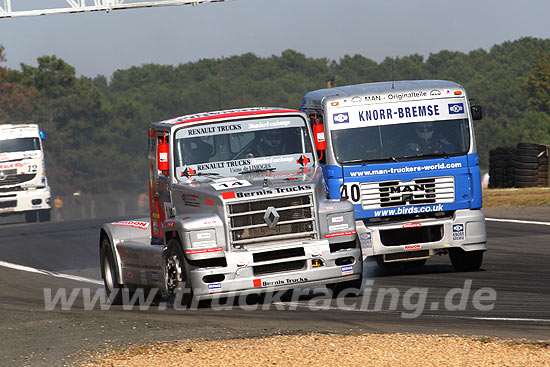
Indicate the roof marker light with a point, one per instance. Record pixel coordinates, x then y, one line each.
334 103
458 92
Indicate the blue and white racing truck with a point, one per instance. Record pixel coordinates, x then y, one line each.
404 154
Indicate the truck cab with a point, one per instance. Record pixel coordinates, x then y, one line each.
238 206
23 184
404 154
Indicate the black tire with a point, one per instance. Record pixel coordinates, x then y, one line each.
521 165
109 272
531 146
179 290
518 178
31 216
466 260
525 158
350 286
526 172
44 215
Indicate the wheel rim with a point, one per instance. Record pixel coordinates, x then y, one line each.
174 274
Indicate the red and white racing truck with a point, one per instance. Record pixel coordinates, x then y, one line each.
238 206
23 185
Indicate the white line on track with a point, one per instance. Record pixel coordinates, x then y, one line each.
50 273
510 319
518 221
396 312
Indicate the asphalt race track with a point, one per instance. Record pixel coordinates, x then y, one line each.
509 297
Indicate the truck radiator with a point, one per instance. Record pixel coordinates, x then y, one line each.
291 218
386 194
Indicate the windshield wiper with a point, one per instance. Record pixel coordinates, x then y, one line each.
429 155
206 174
363 161
257 170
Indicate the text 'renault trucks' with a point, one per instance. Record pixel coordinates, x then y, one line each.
23 185
403 153
238 206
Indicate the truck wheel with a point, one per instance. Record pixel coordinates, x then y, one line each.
30 217
353 287
466 260
177 286
110 278
44 215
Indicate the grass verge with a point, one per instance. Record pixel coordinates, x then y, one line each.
516 197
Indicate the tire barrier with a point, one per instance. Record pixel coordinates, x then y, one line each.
526 165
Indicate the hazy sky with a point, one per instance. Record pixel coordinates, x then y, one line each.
100 43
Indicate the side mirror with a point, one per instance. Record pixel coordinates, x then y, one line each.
42 135
476 112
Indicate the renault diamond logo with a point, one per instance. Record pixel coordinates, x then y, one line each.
271 217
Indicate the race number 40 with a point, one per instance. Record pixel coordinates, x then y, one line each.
351 191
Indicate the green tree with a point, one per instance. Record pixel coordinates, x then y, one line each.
15 100
538 83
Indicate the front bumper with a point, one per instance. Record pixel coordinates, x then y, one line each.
21 201
244 276
465 230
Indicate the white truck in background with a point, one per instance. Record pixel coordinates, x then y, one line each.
23 185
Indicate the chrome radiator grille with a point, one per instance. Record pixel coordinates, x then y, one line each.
435 190
270 220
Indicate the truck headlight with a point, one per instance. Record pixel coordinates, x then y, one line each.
203 239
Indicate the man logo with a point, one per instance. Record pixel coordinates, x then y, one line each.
340 118
456 108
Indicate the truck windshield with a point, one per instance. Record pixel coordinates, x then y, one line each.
19 145
230 148
401 141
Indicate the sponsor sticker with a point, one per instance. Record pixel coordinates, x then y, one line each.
412 225
456 108
337 219
340 118
413 247
204 235
155 276
214 287
132 223
347 233
338 227
203 251
366 239
458 232
302 161
347 270
276 282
